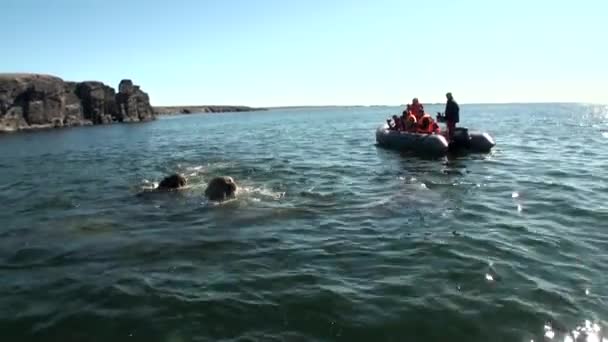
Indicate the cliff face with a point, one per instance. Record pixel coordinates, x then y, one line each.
30 101
133 103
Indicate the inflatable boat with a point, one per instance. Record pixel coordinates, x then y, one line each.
434 144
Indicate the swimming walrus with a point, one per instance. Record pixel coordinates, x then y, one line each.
172 182
221 188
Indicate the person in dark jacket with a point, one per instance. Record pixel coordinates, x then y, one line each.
452 114
396 125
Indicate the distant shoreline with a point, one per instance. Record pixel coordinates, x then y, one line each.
179 110
200 109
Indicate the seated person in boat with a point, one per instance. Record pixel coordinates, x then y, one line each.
436 128
427 125
416 108
410 122
396 125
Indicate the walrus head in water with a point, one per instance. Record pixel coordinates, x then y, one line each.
172 182
221 188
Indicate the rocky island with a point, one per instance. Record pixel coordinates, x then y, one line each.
33 101
36 101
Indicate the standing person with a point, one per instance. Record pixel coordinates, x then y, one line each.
452 115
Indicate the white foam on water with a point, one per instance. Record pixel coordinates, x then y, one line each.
257 192
194 171
196 168
149 185
207 202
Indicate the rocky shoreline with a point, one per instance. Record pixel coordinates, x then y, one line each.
35 101
176 110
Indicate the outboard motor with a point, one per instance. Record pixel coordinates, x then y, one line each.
461 138
440 118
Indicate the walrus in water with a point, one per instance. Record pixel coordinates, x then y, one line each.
221 188
172 182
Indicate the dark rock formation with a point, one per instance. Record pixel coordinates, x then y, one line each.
172 182
133 103
73 107
29 101
98 102
221 188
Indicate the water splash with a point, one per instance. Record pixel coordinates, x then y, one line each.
148 185
260 193
194 171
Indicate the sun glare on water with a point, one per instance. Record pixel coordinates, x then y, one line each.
588 332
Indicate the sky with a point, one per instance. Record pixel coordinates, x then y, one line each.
317 52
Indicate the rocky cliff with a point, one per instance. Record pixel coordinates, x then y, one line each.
30 101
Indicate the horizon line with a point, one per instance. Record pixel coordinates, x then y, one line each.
390 105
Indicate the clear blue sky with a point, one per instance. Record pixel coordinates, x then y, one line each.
317 52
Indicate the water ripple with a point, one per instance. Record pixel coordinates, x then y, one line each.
331 237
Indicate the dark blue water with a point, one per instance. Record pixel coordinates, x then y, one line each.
330 239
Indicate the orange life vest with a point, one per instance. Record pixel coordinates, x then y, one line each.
425 124
436 129
417 110
410 122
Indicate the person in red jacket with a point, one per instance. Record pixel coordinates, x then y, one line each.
410 122
436 128
416 108
425 124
